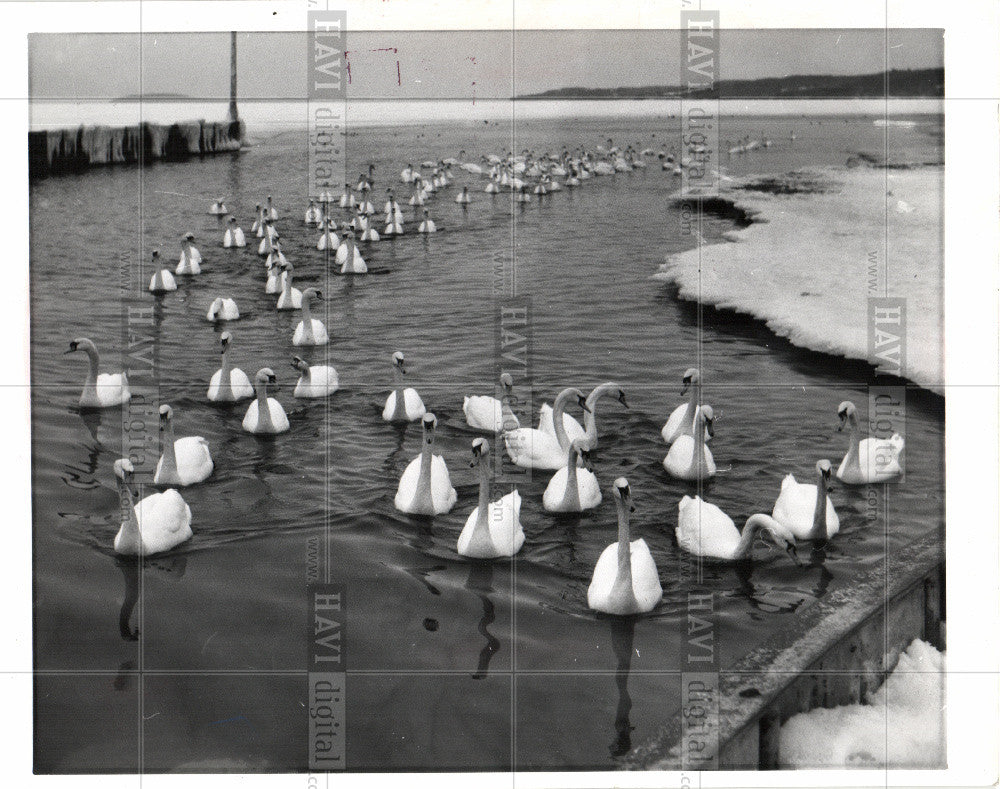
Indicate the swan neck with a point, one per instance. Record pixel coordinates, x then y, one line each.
169 453
227 365
819 514
557 419
306 313
750 529
423 493
130 524
482 523
95 360
853 451
698 452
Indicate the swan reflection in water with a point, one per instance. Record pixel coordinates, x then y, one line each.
173 568
622 636
480 581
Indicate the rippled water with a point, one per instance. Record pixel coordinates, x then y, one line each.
453 664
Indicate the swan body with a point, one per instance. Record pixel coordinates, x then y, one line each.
796 507
265 414
491 414
223 310
682 418
234 237
572 489
316 380
162 282
402 405
689 458
531 448
185 461
229 384
493 529
625 580
100 390
275 280
328 240
349 257
869 460
310 331
425 487
153 525
427 226
218 208
705 530
190 260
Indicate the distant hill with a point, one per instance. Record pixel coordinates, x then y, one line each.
897 83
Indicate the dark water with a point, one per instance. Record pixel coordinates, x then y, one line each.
453 664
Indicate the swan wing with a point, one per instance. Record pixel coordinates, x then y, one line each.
504 519
483 413
588 488
442 493
645 577
414 405
406 491
530 448
705 530
194 460
278 416
555 491
603 578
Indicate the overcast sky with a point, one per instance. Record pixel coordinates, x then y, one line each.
491 64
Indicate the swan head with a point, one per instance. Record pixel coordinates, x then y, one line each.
166 414
691 376
580 399
81 344
707 415
775 532
846 412
189 236
257 208
266 375
824 470
156 254
214 309
312 293
429 423
621 397
399 362
623 493
124 469
506 382
480 447
579 447
224 339
300 364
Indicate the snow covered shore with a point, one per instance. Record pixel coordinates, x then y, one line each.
820 243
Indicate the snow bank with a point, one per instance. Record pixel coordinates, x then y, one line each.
901 726
819 244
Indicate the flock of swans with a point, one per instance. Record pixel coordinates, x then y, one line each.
625 578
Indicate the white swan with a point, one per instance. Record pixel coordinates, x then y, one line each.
317 380
291 297
805 510
310 330
871 459
493 528
312 215
328 240
531 448
572 489
275 280
258 223
427 226
233 237
462 198
222 309
270 212
185 461
155 524
265 414
491 414
681 421
100 390
689 458
705 530
625 579
349 256
190 260
228 383
588 432
402 405
425 487
218 208
347 198
163 281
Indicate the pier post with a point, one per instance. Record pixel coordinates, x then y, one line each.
234 115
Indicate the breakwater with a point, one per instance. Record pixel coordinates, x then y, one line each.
59 151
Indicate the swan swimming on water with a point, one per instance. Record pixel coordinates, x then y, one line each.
425 487
312 215
402 405
100 390
317 380
427 226
689 458
228 383
493 529
218 208
705 530
493 415
222 309
588 432
531 448
185 461
233 237
681 421
871 459
806 510
349 256
572 489
155 524
291 297
625 579
310 330
265 414
163 281
190 260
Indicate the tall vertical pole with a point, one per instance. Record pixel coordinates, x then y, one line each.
233 113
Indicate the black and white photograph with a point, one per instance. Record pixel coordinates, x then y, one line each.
542 393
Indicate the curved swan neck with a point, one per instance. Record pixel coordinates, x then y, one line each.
590 417
95 360
698 454
571 496
557 417
754 524
689 413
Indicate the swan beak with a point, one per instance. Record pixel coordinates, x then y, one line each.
631 508
584 406
685 388
621 399
790 550
710 427
71 350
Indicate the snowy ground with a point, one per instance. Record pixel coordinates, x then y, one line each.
820 243
901 726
